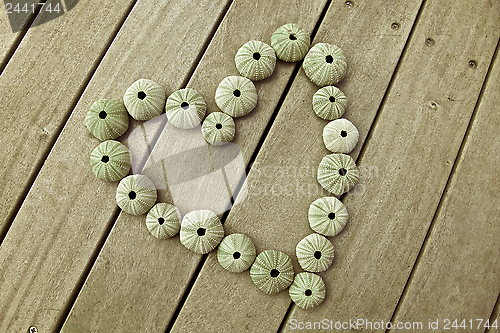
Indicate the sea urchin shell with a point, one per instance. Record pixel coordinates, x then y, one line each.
144 99
340 136
110 161
107 119
255 60
329 103
218 128
236 253
325 64
308 290
236 96
272 271
185 108
136 194
201 231
315 253
291 42
337 173
163 220
327 216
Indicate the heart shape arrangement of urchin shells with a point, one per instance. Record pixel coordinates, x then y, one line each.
201 230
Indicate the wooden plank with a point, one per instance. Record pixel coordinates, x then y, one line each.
40 84
282 180
157 274
68 213
495 319
9 39
412 146
456 276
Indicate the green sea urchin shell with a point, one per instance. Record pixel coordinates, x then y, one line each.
315 253
218 128
201 231
340 136
329 103
163 220
308 290
144 99
327 216
236 96
107 119
185 108
236 253
325 64
291 42
110 161
136 194
337 173
255 60
272 271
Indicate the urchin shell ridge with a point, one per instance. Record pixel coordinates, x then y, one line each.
337 173
201 231
255 60
107 119
291 42
325 64
185 108
327 216
163 220
340 136
136 194
236 253
264 268
110 161
329 103
218 128
144 99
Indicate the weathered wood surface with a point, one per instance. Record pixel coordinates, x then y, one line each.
456 276
412 147
8 39
40 84
67 213
282 180
157 273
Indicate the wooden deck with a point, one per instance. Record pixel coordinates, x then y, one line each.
423 239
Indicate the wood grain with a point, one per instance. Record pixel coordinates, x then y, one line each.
282 181
68 213
457 275
158 272
412 147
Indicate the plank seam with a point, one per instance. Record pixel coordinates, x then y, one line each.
446 188
20 38
494 313
32 178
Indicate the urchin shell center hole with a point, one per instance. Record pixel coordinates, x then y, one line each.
161 220
105 159
343 172
132 195
308 292
141 95
256 55
218 126
102 114
292 37
343 134
275 272
236 255
329 59
201 231
317 254
237 93
185 105
331 216
332 99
